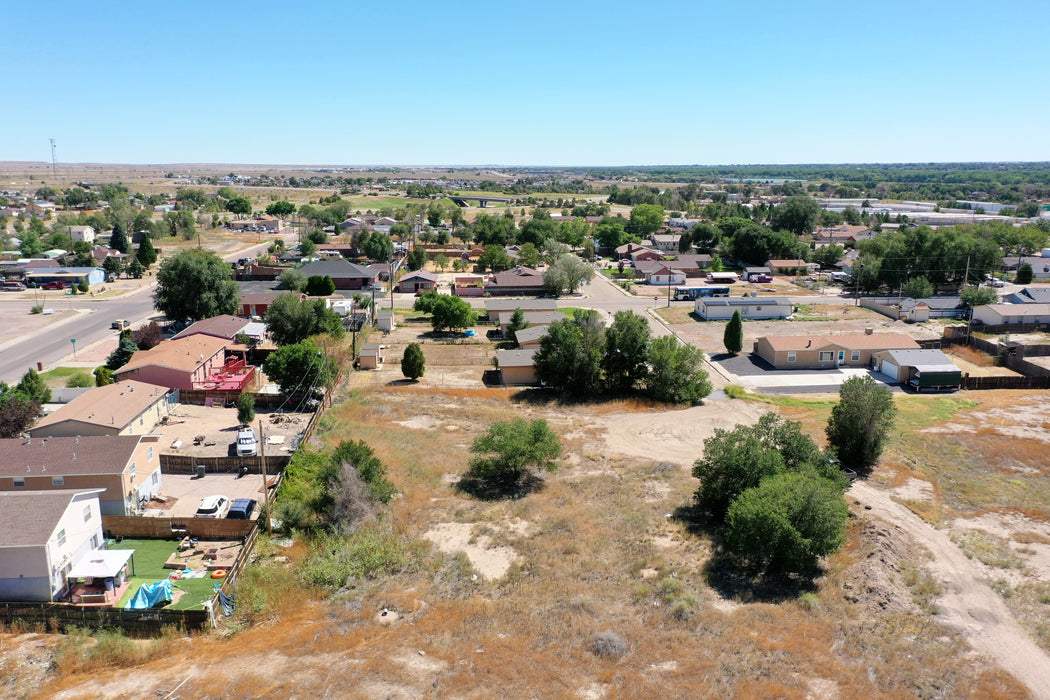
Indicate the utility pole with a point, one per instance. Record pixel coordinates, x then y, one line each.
266 490
54 165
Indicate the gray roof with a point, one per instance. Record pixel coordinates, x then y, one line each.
534 318
923 360
515 358
945 302
512 304
67 456
420 274
1032 295
531 333
27 518
340 269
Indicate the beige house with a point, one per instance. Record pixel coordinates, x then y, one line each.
828 351
494 307
126 467
123 408
516 366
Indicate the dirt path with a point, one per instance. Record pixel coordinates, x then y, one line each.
968 603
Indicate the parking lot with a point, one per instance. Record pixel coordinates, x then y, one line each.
183 493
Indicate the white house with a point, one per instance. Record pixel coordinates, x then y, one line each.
1001 314
85 234
753 308
42 535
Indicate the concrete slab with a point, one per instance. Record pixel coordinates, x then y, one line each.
188 491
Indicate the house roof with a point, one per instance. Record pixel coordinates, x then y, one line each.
1030 295
527 335
534 318
922 360
27 518
224 326
114 405
518 277
849 341
261 298
185 354
943 303
515 358
1019 310
512 304
65 456
787 263
338 269
745 301
420 275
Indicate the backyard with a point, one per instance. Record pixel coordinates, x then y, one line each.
149 558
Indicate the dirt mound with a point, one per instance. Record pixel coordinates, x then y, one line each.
876 581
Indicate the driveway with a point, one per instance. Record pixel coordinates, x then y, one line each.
185 492
755 374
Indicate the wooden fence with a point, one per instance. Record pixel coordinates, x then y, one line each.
163 528
61 616
978 383
187 464
221 398
242 558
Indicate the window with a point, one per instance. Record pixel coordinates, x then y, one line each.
131 470
94 542
156 478
58 481
855 356
149 454
142 421
20 482
87 512
61 537
827 356
792 356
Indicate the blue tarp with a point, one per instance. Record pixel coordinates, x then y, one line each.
149 595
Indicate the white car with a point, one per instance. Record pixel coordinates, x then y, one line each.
247 444
995 282
213 507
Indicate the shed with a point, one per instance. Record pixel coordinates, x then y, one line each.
919 369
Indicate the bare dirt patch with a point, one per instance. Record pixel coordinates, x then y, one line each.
489 560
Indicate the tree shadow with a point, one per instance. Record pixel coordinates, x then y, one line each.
403 382
492 490
732 579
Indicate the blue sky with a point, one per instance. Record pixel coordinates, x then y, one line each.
526 83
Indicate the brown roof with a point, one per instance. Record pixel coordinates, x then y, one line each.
523 277
28 518
787 263
224 326
66 456
850 341
114 405
261 297
182 354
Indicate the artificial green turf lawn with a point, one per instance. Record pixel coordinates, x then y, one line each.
149 557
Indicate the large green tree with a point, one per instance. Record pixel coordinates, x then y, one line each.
675 372
733 337
861 422
413 362
146 254
194 284
118 240
281 209
33 387
787 522
798 214
290 321
300 369
447 312
646 219
567 362
626 351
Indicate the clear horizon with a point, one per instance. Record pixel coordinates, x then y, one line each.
545 86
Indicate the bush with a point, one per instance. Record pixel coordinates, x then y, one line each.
413 362
103 376
38 309
860 422
503 456
79 380
1024 274
608 645
366 553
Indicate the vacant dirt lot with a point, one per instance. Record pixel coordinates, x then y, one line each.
219 426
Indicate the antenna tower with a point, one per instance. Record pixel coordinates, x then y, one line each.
54 166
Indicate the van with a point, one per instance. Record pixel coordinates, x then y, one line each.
120 325
14 287
241 509
247 445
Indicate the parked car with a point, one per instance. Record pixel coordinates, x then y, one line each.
241 509
995 282
247 444
761 278
213 507
54 285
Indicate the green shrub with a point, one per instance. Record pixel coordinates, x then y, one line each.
367 553
80 380
38 309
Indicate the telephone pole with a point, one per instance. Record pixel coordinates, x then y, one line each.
54 165
266 490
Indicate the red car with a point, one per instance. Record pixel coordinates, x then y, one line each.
54 285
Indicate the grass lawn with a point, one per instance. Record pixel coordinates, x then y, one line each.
150 556
56 378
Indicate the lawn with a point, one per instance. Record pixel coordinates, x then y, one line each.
56 378
150 556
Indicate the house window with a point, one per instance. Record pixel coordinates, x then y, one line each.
61 538
20 482
149 454
827 356
58 481
87 512
758 308
94 541
855 356
131 470
792 356
141 421
156 478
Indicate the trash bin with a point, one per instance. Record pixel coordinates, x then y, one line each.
109 585
200 471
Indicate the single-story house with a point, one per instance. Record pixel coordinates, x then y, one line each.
626 250
661 273
920 369
519 281
700 261
371 356
177 364
533 318
42 535
495 307
753 308
793 267
949 306
641 255
256 304
753 270
530 337
223 326
516 366
826 351
346 275
1002 314
66 275
125 467
121 408
418 281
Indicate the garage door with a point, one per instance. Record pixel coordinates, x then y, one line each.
890 369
